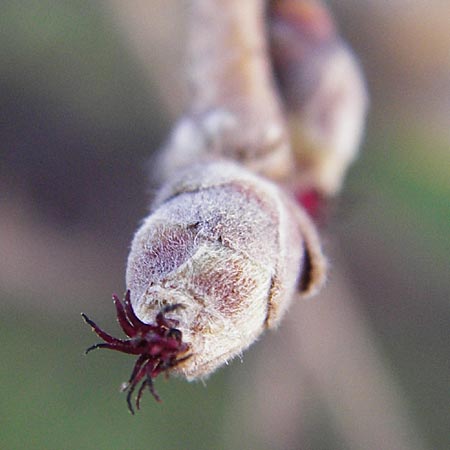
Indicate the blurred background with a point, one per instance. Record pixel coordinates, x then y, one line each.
88 90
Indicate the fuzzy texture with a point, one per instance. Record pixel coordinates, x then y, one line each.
229 247
221 133
324 92
234 111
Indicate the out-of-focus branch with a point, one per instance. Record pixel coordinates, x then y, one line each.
229 72
234 110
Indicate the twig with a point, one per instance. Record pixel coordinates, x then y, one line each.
234 110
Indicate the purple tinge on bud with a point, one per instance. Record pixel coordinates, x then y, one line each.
231 249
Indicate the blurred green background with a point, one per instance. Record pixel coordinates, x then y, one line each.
82 107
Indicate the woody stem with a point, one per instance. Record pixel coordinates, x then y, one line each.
229 70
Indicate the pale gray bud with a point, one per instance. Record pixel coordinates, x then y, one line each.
232 249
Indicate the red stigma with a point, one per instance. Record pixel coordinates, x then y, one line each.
158 346
312 201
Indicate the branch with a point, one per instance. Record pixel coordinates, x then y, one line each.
234 110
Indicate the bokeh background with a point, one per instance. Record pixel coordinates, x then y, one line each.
88 90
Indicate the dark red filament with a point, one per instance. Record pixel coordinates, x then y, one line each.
158 345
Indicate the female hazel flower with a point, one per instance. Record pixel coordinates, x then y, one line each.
218 260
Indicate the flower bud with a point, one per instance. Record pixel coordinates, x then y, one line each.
230 250
323 89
